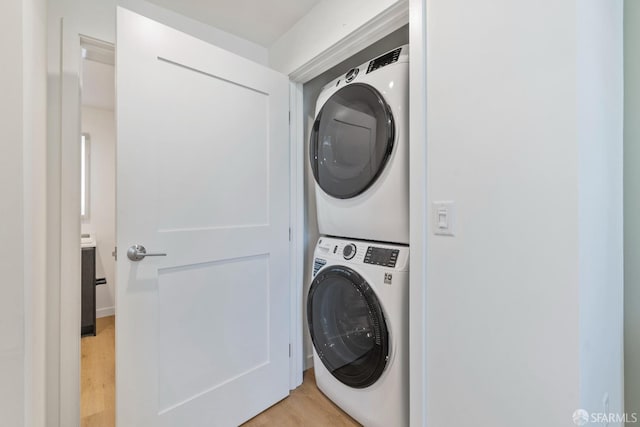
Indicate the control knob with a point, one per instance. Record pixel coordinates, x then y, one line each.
351 74
349 251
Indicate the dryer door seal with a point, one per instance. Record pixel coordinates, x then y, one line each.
347 326
351 141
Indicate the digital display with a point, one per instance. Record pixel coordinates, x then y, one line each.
381 256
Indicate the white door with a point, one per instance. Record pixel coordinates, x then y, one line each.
202 333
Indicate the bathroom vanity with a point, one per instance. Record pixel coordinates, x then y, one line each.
88 323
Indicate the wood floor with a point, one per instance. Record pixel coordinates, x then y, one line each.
98 379
306 406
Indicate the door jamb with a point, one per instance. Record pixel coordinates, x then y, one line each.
296 234
418 212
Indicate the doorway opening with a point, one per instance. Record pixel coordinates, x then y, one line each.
295 131
98 232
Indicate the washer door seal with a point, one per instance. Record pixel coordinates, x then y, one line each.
347 326
351 140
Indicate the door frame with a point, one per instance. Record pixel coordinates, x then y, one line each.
63 223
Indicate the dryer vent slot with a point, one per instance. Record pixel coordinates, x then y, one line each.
318 263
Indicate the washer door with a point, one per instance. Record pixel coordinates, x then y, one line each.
351 141
347 326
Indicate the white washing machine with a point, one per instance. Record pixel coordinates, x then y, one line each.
359 151
358 317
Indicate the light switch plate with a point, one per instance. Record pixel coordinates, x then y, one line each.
444 215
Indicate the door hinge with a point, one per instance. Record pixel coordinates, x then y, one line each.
289 233
289 351
289 117
115 253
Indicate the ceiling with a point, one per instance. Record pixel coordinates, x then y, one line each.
259 21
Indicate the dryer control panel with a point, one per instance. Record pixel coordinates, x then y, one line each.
400 54
386 59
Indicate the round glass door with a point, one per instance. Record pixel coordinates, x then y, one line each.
351 141
347 326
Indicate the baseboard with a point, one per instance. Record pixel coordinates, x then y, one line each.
308 362
104 312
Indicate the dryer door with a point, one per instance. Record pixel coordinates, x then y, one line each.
351 140
347 326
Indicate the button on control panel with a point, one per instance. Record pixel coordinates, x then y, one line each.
381 256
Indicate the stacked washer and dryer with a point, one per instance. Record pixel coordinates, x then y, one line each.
358 301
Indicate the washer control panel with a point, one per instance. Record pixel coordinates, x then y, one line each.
351 251
384 257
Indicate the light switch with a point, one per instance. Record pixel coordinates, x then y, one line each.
443 218
443 222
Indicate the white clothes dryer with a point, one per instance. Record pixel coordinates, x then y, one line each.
358 317
359 151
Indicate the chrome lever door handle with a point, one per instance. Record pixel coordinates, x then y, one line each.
138 253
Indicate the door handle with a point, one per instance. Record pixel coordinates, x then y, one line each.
138 253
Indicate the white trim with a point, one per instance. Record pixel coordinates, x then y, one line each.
383 24
106 311
296 202
98 50
54 257
70 272
418 217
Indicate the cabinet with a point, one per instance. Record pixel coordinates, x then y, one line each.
88 324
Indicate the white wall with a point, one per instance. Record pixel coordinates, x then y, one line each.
12 261
505 344
101 126
22 124
600 184
325 25
632 204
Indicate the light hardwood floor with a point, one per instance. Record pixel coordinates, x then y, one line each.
97 398
306 406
